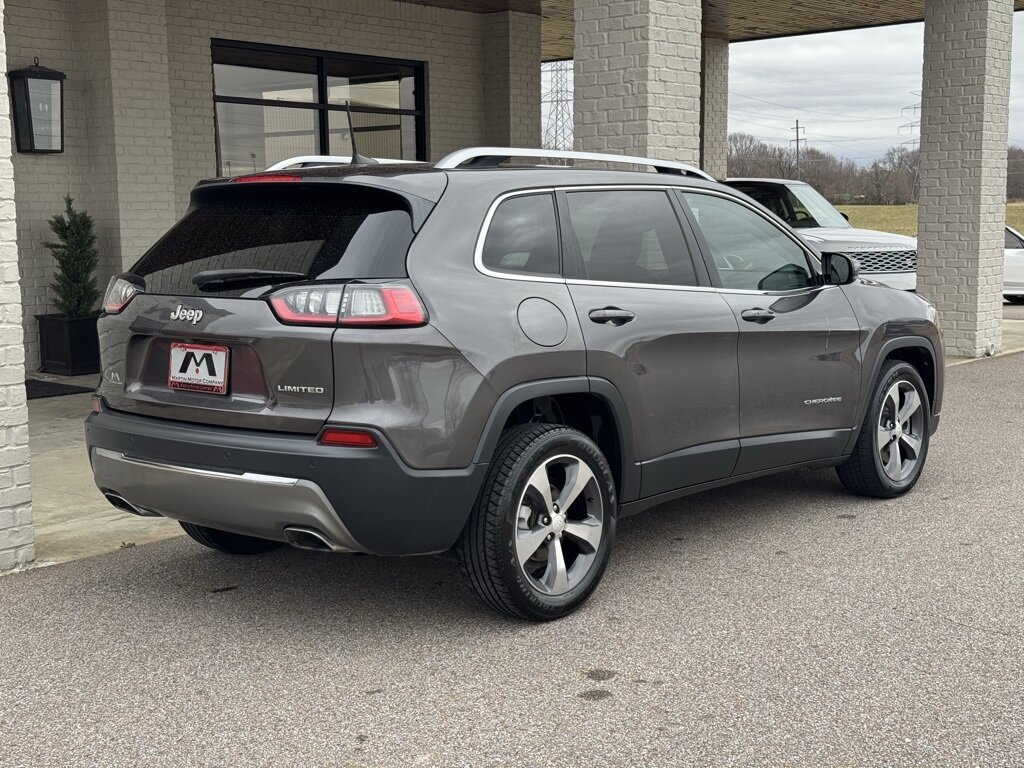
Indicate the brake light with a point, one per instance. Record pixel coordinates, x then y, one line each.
364 304
119 294
264 178
347 438
381 305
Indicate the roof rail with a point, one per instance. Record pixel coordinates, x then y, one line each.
490 157
321 161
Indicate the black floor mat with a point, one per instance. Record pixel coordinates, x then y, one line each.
37 388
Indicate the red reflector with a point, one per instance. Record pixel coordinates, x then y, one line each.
264 178
347 438
96 406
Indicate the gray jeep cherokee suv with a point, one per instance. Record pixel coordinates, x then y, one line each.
495 361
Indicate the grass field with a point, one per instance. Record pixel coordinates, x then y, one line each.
902 219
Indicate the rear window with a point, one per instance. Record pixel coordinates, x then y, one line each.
318 232
523 237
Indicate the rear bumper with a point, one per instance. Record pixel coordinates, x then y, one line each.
260 483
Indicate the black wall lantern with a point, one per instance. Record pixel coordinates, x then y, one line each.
37 98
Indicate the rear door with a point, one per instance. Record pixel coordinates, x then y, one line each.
202 344
656 330
798 339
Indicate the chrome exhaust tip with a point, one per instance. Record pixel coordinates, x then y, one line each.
120 502
311 538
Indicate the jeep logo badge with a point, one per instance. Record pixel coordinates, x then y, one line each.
188 315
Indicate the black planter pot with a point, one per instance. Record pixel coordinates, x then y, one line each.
68 346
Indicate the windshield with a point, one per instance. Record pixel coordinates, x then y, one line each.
799 205
237 239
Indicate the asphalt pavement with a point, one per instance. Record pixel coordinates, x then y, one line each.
778 622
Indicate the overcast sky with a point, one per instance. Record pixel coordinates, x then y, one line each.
848 88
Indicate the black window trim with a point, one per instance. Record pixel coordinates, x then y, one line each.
321 107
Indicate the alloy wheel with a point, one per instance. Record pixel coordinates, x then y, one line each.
900 431
559 525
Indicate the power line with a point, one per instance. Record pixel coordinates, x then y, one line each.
811 111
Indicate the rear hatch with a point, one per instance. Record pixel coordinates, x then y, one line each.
200 341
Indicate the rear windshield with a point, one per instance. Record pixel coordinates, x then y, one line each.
312 231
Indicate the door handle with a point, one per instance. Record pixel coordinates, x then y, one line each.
612 315
757 315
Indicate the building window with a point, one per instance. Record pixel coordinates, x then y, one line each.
272 103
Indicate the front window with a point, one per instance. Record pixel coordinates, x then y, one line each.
799 205
273 103
749 252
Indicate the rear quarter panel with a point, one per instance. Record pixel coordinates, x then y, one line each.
479 314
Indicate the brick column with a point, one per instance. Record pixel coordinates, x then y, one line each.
964 116
512 79
140 89
129 177
16 535
637 78
714 107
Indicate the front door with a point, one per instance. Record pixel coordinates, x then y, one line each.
655 329
798 362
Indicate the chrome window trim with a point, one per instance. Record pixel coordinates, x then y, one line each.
478 254
523 277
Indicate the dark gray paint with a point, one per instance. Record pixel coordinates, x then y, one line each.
699 396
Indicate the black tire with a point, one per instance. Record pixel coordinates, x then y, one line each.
232 543
487 549
1015 299
863 473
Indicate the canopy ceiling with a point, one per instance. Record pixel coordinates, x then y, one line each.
734 20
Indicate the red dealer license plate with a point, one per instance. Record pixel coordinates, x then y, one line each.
198 368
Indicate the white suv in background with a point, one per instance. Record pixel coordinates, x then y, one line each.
1013 276
884 257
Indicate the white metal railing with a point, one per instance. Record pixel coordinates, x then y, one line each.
493 156
324 161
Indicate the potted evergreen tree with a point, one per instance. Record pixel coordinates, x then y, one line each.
68 340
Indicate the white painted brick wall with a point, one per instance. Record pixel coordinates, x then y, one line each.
714 114
16 534
139 126
637 77
452 43
512 94
964 119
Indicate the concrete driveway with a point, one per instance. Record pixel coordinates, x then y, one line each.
777 622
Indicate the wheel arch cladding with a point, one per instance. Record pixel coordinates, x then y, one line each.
917 351
593 406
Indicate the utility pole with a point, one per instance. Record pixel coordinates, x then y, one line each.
798 130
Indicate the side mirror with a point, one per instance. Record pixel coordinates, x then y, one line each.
839 269
844 215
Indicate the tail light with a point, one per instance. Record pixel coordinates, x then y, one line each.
366 304
120 292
